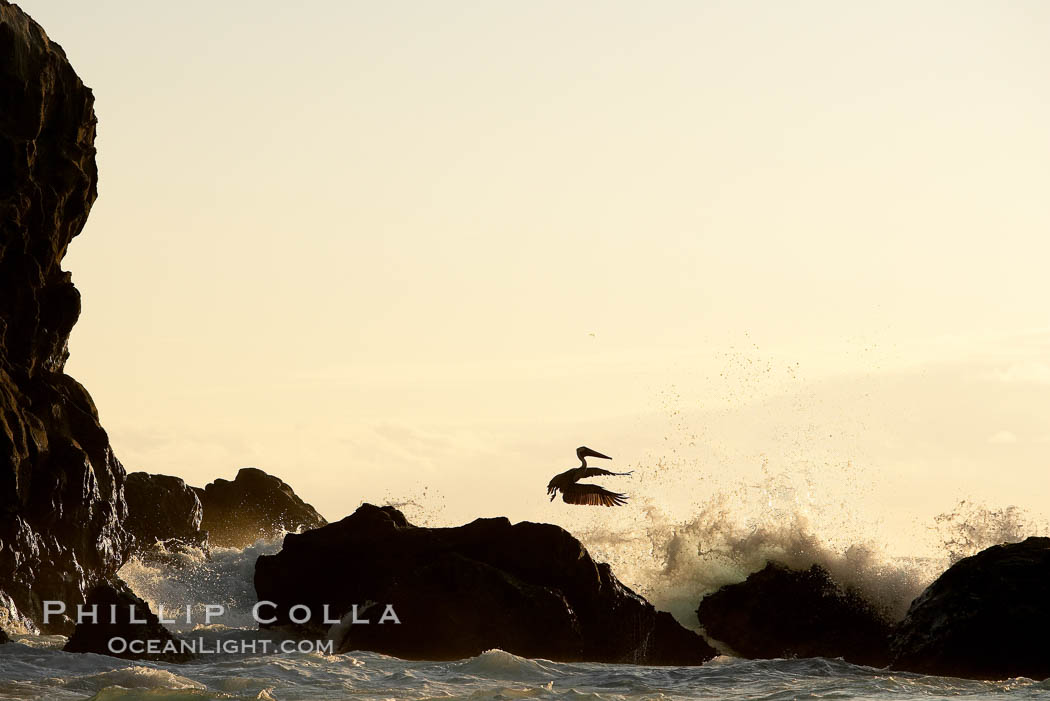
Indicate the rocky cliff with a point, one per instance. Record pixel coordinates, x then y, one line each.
61 500
164 514
254 505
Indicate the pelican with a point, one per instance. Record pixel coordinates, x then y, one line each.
592 494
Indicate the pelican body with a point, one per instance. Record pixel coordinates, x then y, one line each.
587 494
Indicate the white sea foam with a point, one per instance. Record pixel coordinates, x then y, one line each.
497 664
193 579
135 677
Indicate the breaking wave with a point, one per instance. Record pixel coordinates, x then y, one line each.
195 579
675 563
497 664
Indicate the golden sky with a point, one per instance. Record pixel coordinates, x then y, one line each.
793 252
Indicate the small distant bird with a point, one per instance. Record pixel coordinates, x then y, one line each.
589 494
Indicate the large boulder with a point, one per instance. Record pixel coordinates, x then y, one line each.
254 505
986 617
529 588
164 511
113 633
61 500
781 612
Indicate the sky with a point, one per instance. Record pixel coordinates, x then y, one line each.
792 253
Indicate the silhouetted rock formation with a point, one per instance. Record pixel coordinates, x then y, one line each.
164 511
987 617
254 505
781 612
61 502
115 605
530 589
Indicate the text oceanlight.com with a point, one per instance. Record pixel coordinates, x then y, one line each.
200 646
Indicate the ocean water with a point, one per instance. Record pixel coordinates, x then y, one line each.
35 667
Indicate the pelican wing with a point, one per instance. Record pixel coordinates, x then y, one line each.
591 495
595 471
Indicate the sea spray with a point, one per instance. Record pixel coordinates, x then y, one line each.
674 564
973 526
192 578
707 511
761 475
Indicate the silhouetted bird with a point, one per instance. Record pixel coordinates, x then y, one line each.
592 494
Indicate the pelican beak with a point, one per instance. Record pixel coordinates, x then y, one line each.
587 452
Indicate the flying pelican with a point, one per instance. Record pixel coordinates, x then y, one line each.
592 494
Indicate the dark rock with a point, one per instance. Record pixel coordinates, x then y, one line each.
114 621
780 612
254 505
530 589
986 617
162 511
3 637
61 501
